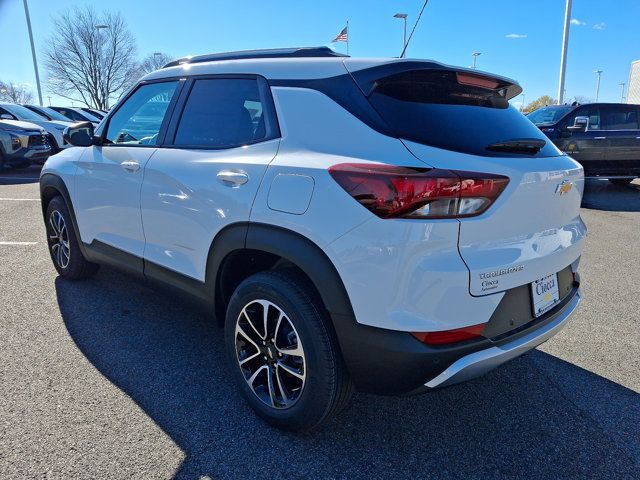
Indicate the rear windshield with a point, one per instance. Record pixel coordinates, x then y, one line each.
454 111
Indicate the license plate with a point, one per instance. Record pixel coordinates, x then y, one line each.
545 294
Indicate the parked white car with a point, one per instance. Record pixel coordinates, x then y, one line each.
55 128
386 224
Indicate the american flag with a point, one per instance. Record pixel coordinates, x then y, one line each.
342 36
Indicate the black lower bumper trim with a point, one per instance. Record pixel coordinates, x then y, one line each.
389 362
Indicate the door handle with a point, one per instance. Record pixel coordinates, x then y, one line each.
599 138
233 178
130 166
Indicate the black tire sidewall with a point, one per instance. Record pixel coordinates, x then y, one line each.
320 387
78 265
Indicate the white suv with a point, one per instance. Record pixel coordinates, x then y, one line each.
385 224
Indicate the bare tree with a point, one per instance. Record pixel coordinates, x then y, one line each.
11 92
90 56
154 61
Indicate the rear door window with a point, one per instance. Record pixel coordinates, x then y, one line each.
454 111
619 117
225 113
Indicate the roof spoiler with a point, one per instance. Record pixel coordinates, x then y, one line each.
367 78
297 52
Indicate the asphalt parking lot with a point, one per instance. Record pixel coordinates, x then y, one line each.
109 379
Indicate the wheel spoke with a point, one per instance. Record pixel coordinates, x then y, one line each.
250 357
295 351
265 317
240 330
59 221
246 315
291 371
53 224
255 374
283 393
275 333
272 392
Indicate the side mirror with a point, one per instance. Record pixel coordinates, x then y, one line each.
79 134
6 116
580 124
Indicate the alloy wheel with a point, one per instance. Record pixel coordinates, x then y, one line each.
270 354
59 239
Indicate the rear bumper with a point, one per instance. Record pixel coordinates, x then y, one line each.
388 362
479 363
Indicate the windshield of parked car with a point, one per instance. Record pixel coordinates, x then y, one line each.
548 114
53 115
22 113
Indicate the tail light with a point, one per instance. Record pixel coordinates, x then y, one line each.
403 192
446 337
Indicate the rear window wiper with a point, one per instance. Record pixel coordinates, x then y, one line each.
526 146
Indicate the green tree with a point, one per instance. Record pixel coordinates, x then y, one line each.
543 101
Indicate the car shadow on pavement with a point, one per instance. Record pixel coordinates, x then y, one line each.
600 194
536 417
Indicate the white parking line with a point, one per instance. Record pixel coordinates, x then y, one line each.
20 199
18 243
20 178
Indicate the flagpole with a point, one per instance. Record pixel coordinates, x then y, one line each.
347 37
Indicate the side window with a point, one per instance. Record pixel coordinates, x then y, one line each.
138 120
224 113
591 111
4 112
620 117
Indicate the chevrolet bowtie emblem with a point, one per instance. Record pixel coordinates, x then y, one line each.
564 187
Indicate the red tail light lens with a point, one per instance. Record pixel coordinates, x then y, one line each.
403 192
450 336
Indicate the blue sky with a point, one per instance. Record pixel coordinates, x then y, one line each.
604 35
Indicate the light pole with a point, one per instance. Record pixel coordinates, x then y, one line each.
599 73
49 97
33 51
100 27
622 84
522 106
563 56
475 55
403 16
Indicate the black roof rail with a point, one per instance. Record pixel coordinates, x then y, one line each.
299 52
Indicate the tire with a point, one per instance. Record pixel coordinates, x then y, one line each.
63 245
621 182
293 403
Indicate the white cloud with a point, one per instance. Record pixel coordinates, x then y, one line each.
575 21
600 26
516 35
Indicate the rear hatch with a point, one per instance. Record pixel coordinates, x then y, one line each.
459 119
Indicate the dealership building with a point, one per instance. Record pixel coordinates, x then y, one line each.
633 94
